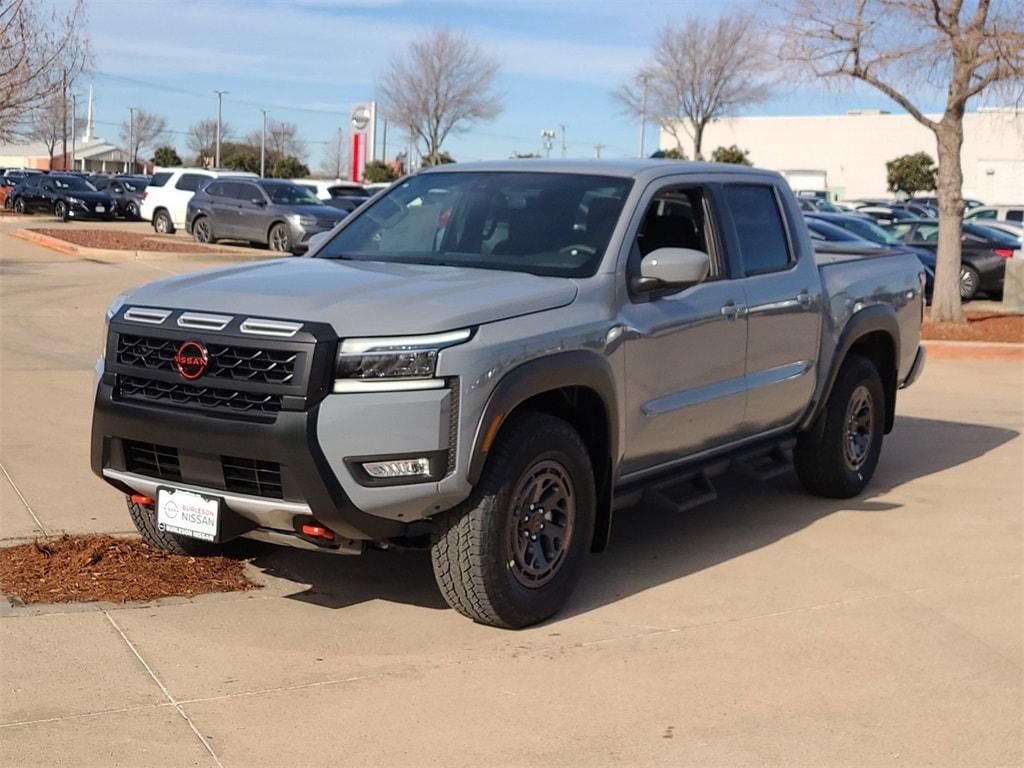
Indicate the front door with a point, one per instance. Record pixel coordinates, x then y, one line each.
684 352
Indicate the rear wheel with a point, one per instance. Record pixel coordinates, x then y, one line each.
132 211
202 231
279 238
19 206
145 523
840 462
970 281
162 223
511 554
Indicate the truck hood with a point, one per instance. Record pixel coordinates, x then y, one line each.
361 298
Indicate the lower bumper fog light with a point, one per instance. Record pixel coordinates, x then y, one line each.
398 468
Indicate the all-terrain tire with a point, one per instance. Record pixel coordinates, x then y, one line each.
145 523
839 460
472 549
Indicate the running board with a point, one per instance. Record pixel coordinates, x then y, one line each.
682 495
766 464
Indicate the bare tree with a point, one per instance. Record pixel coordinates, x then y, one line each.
202 139
47 124
701 69
282 141
145 130
41 53
904 47
333 163
442 84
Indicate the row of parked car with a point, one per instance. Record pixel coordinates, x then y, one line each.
985 247
209 204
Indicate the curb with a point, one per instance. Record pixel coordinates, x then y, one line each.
974 350
70 249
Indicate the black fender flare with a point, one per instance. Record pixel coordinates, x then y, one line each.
872 319
576 368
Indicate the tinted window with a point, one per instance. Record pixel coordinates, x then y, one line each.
159 179
989 234
248 192
541 223
215 189
989 214
291 194
72 184
869 231
927 233
760 232
1017 214
821 230
230 189
190 182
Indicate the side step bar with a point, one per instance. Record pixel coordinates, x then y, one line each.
681 495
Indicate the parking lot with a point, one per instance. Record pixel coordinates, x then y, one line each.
768 627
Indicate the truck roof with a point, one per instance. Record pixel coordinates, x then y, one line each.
630 168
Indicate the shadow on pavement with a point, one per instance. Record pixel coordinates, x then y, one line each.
650 547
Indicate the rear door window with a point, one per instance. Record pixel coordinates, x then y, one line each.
248 192
159 179
1016 214
190 182
758 224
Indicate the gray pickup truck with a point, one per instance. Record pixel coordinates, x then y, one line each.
488 360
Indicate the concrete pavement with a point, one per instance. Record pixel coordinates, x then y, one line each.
766 628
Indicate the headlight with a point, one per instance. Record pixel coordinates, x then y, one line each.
112 310
398 362
304 221
76 201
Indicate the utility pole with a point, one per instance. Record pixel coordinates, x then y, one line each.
548 137
643 115
597 149
216 154
131 138
74 128
263 144
341 152
64 116
563 140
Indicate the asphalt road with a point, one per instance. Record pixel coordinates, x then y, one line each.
766 628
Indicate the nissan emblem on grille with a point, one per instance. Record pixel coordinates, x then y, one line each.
191 360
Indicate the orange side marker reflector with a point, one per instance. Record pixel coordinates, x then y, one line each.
492 432
142 500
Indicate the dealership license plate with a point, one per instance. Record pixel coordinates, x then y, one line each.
187 514
100 209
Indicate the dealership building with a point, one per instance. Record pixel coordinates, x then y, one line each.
847 153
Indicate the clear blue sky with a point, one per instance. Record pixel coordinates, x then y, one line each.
309 60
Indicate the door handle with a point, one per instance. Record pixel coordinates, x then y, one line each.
804 299
731 310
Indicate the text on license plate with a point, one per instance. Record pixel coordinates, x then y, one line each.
187 514
100 209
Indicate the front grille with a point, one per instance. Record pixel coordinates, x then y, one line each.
159 461
191 395
228 362
252 477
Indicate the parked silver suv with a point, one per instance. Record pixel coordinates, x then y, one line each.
281 214
487 360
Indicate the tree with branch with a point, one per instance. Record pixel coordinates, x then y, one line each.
700 70
47 126
202 139
438 87
902 47
145 130
41 53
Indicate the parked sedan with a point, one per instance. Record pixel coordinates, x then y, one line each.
280 214
67 196
127 192
983 253
884 214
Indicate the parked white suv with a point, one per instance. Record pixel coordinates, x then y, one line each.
165 201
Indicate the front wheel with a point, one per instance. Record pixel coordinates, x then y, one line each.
839 459
60 210
202 231
511 554
144 519
132 212
19 206
280 240
970 281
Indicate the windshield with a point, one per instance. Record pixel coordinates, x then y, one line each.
542 223
134 185
999 236
821 230
73 184
291 194
868 230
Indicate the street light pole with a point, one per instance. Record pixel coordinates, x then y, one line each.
74 103
216 154
643 115
547 135
263 145
131 138
563 140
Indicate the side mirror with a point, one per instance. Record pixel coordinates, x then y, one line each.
315 241
671 268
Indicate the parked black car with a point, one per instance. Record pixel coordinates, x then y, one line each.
127 193
277 213
886 214
64 195
983 255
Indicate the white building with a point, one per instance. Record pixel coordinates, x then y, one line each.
852 149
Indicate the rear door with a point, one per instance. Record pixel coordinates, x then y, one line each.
223 207
685 352
783 304
184 188
252 213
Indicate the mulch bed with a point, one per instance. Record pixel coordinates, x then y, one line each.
119 240
980 326
78 569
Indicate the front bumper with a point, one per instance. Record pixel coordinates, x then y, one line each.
87 210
